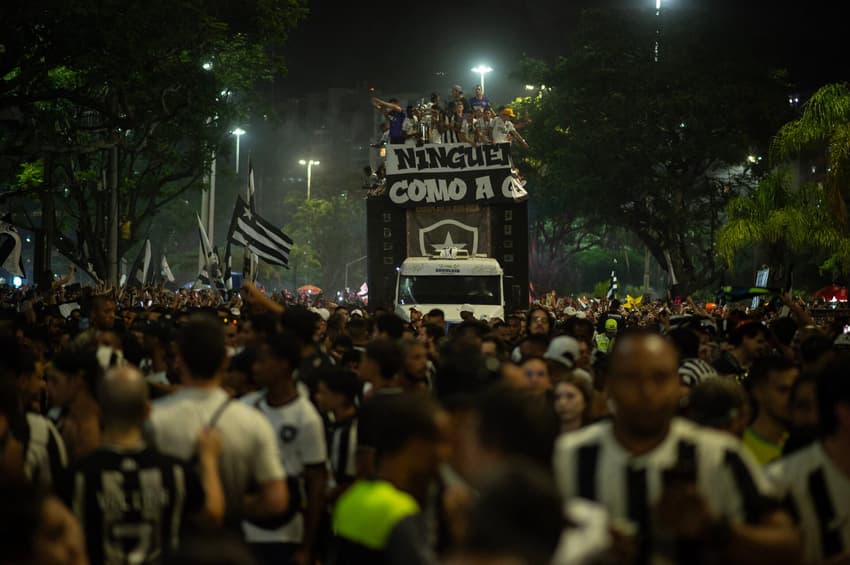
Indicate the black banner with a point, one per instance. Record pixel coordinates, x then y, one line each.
452 173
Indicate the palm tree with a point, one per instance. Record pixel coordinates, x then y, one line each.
783 220
823 126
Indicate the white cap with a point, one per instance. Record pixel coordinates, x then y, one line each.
322 312
564 350
570 311
467 308
581 315
357 312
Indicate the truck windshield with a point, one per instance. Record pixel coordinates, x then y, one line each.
437 289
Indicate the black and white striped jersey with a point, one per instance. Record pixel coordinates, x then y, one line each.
342 448
592 464
131 503
818 495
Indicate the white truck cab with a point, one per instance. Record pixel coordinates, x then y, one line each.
448 280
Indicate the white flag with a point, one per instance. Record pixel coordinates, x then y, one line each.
165 270
10 249
142 276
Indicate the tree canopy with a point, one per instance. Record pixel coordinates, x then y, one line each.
652 141
135 97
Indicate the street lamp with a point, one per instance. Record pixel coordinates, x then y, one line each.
238 132
481 70
309 164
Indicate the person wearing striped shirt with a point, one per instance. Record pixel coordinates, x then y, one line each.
132 501
680 493
816 479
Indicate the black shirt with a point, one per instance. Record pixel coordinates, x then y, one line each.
131 503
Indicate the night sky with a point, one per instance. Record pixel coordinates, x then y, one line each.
402 46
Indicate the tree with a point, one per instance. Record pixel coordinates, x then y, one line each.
783 219
328 234
653 147
126 99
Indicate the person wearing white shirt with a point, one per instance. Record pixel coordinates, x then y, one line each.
503 130
300 435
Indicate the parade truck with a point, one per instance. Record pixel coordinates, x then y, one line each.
449 281
449 227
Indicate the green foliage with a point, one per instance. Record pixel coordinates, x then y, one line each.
655 148
823 127
328 232
31 174
83 79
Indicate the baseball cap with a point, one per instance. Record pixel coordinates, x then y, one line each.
508 112
610 324
357 312
564 350
458 88
467 308
581 315
570 311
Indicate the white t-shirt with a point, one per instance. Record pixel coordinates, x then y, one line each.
301 437
409 127
501 130
820 495
249 449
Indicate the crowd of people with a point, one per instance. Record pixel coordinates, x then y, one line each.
154 426
460 119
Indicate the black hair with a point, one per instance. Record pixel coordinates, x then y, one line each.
435 331
436 313
716 402
784 330
201 343
814 347
519 513
387 354
82 362
358 329
748 329
833 387
244 361
341 381
284 346
686 342
761 369
406 416
517 423
462 371
302 322
264 323
390 324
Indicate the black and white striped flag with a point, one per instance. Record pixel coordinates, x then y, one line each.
249 268
612 287
210 272
260 237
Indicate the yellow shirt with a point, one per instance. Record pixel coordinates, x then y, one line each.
761 448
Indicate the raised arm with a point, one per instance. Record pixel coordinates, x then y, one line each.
379 104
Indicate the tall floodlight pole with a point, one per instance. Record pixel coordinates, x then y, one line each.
309 163
481 70
238 132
